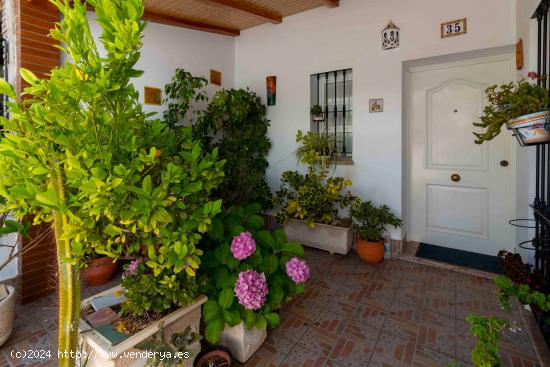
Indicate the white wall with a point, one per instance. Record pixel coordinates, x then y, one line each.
166 48
349 36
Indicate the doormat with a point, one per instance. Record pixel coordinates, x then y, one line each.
458 257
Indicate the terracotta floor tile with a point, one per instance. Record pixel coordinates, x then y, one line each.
402 328
351 352
302 357
427 357
437 332
392 350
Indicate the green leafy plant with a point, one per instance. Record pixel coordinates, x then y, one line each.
373 220
80 153
147 292
183 89
270 256
316 110
314 197
171 353
486 330
235 123
507 102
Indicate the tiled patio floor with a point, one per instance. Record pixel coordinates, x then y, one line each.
394 314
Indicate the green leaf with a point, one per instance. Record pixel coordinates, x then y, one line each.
225 298
231 317
270 263
211 310
48 198
147 185
252 209
249 319
266 238
275 296
213 330
6 89
293 248
28 76
216 230
260 322
272 319
255 221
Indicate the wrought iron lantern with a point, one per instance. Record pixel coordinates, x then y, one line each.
390 36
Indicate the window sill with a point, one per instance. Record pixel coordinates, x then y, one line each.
341 161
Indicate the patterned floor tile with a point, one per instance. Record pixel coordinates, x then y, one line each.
405 311
352 352
335 317
440 301
402 328
380 290
371 312
392 350
318 340
302 357
426 357
437 332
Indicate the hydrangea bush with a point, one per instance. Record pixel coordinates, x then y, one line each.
251 272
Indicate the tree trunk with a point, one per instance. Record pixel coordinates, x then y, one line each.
69 283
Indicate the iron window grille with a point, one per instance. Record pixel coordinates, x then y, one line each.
333 92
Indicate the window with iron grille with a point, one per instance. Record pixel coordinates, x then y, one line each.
332 91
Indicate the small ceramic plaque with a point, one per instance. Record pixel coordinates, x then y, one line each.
454 28
215 77
152 96
376 105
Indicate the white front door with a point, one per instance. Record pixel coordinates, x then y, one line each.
458 192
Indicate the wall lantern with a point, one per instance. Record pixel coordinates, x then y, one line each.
390 36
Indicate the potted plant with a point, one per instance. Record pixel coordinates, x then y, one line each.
309 204
98 271
522 106
10 232
372 222
317 113
252 274
214 356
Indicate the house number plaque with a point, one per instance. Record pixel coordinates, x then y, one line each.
454 28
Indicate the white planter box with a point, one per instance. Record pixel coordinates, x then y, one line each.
7 314
104 355
242 343
325 237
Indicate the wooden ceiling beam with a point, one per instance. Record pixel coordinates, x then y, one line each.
247 8
332 3
189 24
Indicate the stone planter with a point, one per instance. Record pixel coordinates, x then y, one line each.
532 128
7 314
104 355
334 239
242 343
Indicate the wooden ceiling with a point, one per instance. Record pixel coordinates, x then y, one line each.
228 17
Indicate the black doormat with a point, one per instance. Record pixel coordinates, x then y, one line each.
459 257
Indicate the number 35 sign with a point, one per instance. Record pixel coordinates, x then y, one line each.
454 28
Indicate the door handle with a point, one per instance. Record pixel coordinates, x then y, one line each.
504 163
455 177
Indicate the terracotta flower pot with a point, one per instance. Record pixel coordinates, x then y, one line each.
215 356
370 252
99 271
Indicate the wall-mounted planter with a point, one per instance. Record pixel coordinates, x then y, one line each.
104 355
242 343
531 129
325 237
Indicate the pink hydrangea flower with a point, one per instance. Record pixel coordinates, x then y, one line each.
251 289
297 270
243 245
